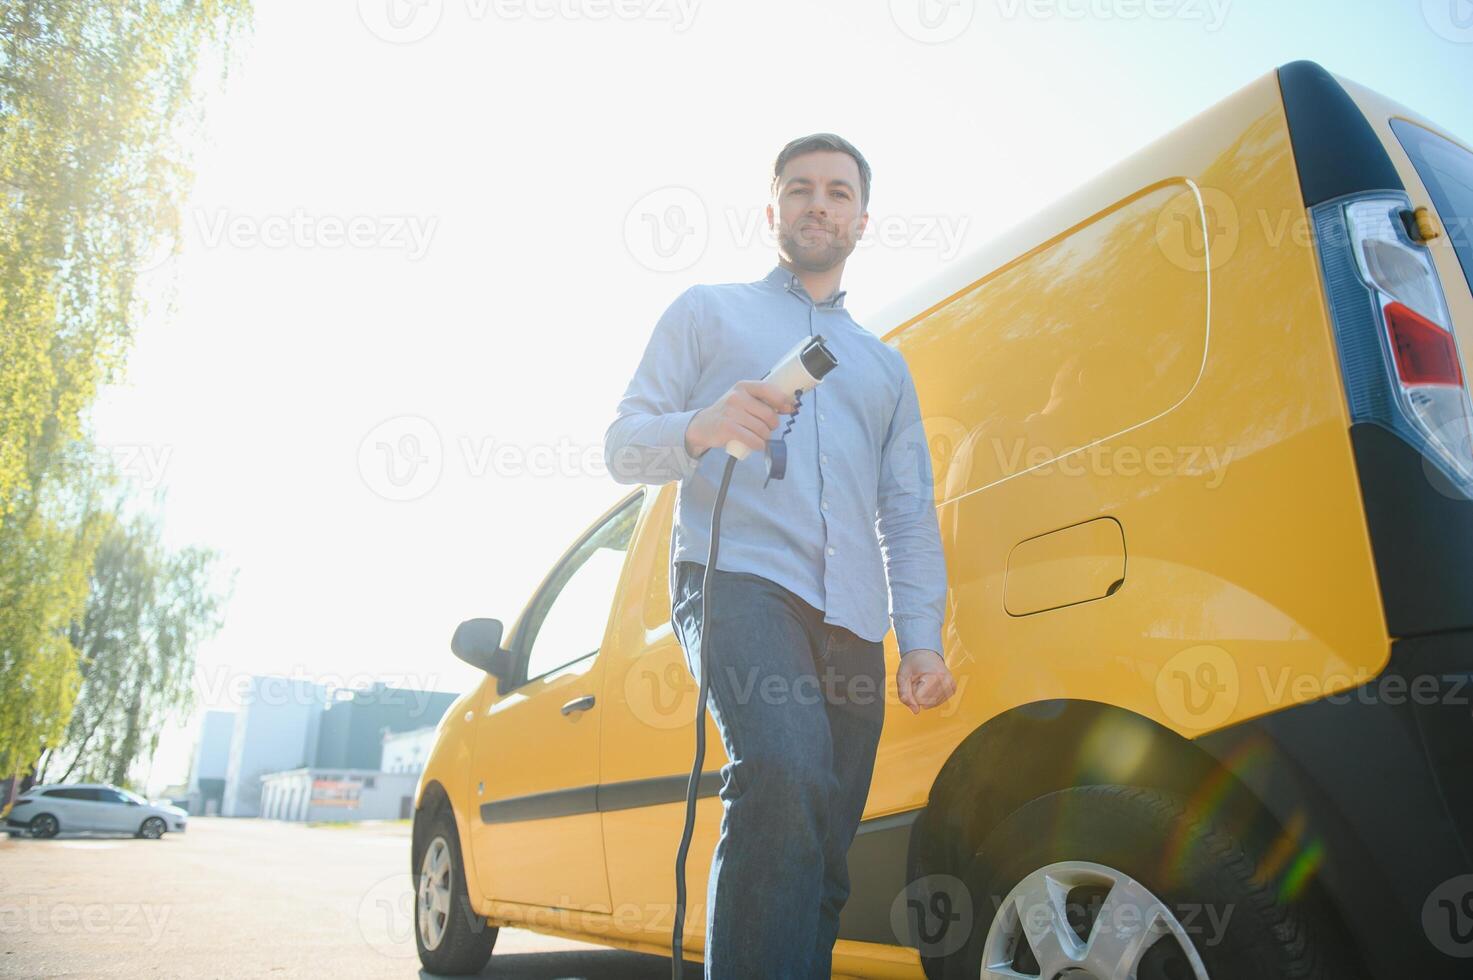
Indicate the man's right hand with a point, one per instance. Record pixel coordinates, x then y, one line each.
748 413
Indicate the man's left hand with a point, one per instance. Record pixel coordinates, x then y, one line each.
924 680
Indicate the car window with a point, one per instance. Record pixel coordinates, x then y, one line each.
568 620
73 794
111 796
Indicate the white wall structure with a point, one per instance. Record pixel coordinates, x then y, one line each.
337 794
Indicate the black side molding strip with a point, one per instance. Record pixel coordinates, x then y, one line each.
878 872
652 792
599 798
540 806
1335 148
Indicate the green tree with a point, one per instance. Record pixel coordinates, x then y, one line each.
45 555
147 610
98 105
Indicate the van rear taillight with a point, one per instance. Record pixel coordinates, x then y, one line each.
1399 356
1426 354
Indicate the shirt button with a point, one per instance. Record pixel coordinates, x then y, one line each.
820 416
831 550
823 458
825 505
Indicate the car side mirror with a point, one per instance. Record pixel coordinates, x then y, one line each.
478 643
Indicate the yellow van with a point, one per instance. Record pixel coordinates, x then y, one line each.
1203 469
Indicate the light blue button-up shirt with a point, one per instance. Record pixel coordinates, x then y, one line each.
856 510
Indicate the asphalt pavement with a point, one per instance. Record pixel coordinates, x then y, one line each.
246 898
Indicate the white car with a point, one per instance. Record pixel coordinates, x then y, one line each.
45 811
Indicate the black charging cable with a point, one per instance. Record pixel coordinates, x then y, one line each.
677 941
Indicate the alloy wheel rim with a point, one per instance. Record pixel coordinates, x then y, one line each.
1126 925
44 826
153 828
433 903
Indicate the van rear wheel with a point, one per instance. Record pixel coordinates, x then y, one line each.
1122 883
1089 901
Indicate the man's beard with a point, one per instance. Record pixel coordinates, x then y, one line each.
814 253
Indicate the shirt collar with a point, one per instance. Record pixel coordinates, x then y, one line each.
784 278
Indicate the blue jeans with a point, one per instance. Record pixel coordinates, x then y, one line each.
799 704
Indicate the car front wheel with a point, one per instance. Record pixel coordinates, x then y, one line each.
44 825
452 939
152 829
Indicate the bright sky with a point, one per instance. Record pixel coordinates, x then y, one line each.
428 228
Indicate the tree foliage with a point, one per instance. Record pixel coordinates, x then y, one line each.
147 610
98 105
45 554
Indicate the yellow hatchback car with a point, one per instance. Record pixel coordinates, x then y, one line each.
1204 474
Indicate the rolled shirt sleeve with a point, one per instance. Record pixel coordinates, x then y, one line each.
645 443
909 535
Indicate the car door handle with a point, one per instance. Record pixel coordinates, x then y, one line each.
578 704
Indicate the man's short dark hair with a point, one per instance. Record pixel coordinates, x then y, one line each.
824 141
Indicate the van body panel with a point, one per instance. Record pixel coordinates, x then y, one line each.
1112 318
511 807
1187 150
510 851
448 767
1253 461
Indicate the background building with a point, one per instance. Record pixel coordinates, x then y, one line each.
275 729
296 751
407 751
206 790
353 728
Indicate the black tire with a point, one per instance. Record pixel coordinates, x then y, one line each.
1205 877
467 940
152 829
43 826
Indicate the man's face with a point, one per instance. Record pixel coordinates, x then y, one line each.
818 220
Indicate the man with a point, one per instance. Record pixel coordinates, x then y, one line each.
798 606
